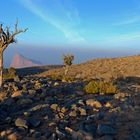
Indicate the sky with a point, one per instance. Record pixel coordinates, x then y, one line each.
103 25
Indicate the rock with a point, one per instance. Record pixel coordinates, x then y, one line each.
105 129
46 117
31 131
78 135
93 103
9 131
81 102
16 94
16 87
52 124
47 134
37 135
27 114
38 107
121 95
12 136
63 109
2 95
33 122
24 101
73 113
91 128
80 93
56 84
106 138
74 107
61 115
54 106
2 134
17 78
31 92
60 134
95 117
37 85
108 105
21 123
99 116
53 137
82 111
8 120
135 135
3 115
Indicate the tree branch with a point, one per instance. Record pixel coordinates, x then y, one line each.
6 37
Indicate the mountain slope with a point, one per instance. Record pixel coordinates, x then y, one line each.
102 68
19 61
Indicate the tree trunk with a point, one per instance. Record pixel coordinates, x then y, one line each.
66 70
1 68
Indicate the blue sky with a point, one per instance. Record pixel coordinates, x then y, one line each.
86 28
84 23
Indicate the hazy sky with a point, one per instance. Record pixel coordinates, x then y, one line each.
95 24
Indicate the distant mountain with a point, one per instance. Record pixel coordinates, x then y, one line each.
20 61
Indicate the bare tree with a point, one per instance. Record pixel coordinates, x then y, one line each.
7 37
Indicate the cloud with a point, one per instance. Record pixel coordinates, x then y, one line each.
128 39
128 21
63 16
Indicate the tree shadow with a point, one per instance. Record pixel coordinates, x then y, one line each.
35 70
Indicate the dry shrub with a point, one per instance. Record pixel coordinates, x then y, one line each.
100 87
10 73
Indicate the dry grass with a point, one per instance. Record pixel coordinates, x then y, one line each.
102 68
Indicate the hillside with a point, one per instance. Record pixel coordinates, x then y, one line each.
44 108
102 68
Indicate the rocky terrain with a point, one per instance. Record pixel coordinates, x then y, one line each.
20 61
44 108
41 108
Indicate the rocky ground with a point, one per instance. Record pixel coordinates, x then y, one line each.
44 109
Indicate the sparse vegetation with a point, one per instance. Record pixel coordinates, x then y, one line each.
7 37
10 73
67 60
67 79
100 87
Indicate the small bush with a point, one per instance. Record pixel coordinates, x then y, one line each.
68 59
9 73
12 71
56 77
100 87
92 87
67 79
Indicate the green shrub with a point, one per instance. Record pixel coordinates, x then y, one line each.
56 77
100 87
9 73
67 79
92 87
